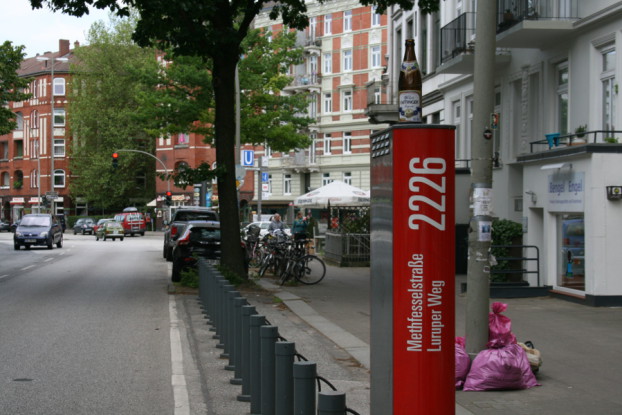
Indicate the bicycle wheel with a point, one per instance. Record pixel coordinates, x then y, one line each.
311 270
264 265
255 258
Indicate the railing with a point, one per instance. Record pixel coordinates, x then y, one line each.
556 140
512 12
456 36
308 79
261 360
347 249
510 270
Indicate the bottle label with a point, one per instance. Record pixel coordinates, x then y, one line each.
409 66
410 106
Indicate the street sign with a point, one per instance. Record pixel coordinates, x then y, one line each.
248 158
265 177
51 195
240 172
265 187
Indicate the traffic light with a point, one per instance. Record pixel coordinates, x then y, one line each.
115 160
169 198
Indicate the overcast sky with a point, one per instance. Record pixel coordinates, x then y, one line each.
39 30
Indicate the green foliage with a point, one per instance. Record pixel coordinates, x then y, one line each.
580 130
17 184
504 232
190 278
105 117
11 85
611 140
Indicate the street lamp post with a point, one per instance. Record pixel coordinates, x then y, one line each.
38 176
52 62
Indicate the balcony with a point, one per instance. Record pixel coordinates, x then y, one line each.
458 47
304 82
312 44
534 24
557 141
303 161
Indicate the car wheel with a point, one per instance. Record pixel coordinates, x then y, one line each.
121 239
51 243
59 244
104 238
164 251
74 232
27 246
169 255
16 246
142 234
113 239
176 275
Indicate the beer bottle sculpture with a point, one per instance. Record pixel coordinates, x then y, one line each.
409 86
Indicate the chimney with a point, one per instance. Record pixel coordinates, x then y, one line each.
63 47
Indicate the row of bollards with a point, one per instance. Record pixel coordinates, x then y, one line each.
262 363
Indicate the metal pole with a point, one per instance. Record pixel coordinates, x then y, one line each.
478 291
259 189
238 303
247 312
304 388
268 335
331 403
256 321
284 369
38 175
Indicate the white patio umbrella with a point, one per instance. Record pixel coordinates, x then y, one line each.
336 193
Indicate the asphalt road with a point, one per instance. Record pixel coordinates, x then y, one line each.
86 329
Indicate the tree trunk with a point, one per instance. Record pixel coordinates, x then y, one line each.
224 87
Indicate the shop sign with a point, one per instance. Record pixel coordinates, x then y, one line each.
17 201
566 192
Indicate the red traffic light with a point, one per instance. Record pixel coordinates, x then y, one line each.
115 155
169 194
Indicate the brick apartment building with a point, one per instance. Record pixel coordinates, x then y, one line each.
33 158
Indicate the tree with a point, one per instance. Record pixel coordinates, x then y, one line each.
11 84
103 108
213 30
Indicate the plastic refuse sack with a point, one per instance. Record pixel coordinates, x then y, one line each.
500 368
533 355
499 327
463 362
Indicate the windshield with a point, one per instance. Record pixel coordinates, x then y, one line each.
188 216
35 221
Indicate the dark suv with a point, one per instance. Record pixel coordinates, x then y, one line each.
38 229
180 218
195 239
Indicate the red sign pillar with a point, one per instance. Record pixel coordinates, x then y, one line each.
413 197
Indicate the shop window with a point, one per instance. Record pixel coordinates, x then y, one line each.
571 271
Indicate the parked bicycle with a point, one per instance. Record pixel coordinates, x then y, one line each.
300 265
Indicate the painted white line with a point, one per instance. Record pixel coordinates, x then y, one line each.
48 259
28 267
3 276
178 379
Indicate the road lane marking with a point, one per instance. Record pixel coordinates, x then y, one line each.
3 276
28 267
178 379
48 259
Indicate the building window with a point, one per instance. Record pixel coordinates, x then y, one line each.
59 178
327 143
59 147
328 103
571 271
5 180
287 184
18 148
183 139
59 117
607 78
313 68
375 57
375 17
34 148
347 177
347 21
328 20
347 60
34 119
4 150
34 179
59 86
267 151
34 89
562 97
347 100
312 27
328 63
326 179
377 95
313 106
347 142
19 119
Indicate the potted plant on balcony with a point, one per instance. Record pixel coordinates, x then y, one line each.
17 184
610 140
579 134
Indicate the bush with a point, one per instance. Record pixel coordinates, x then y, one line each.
505 232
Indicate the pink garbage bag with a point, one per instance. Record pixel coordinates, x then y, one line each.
463 362
501 368
499 327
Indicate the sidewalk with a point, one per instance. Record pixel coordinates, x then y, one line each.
580 345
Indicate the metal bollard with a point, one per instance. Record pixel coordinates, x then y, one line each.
228 327
268 335
235 358
304 388
219 295
284 353
256 321
247 312
331 403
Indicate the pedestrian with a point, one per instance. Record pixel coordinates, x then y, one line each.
276 224
299 228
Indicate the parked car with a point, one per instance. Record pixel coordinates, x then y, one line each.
110 230
38 229
5 225
99 223
195 239
263 225
84 226
62 221
132 220
181 216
